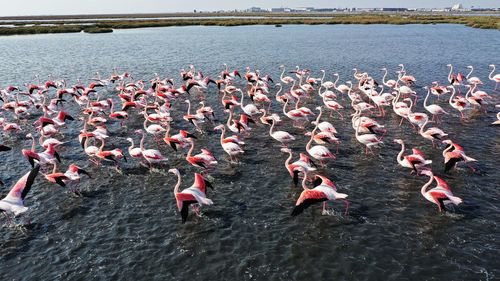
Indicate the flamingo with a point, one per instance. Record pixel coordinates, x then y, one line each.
120 115
47 157
249 109
458 104
414 161
71 176
151 155
195 119
134 152
195 194
454 154
475 100
179 139
440 195
283 137
432 134
205 159
230 147
472 80
433 109
13 203
324 190
295 114
369 140
389 83
416 118
495 78
496 122
110 155
318 152
303 165
285 79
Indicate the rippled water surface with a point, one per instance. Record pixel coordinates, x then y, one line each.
126 226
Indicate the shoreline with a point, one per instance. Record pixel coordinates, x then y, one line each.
106 23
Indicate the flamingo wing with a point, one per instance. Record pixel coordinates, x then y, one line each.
306 199
23 185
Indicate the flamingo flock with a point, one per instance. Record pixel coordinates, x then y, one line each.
110 108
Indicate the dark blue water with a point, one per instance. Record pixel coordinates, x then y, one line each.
127 226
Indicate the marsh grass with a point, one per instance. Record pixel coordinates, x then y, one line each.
101 26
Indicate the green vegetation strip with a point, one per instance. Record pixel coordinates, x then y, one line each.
100 26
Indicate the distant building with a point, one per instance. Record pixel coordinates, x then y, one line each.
278 10
394 9
256 10
457 7
324 10
304 9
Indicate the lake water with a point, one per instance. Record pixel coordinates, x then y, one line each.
127 227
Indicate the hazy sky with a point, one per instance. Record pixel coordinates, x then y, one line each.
57 7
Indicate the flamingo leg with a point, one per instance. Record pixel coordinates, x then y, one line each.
346 202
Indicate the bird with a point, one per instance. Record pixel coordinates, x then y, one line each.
283 137
324 190
13 203
440 195
318 152
205 159
432 134
232 148
433 109
195 194
414 161
453 154
495 78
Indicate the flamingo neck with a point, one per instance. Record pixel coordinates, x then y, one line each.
471 70
102 145
421 130
222 135
451 97
228 123
32 143
242 97
297 103
383 78
450 147
284 106
336 80
129 148
178 184
470 91
426 98
282 73
308 146
425 186
400 154
272 128
491 73
449 74
304 180
190 150
287 162
409 109
142 141
279 91
189 107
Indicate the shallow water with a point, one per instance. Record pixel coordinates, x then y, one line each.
127 226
